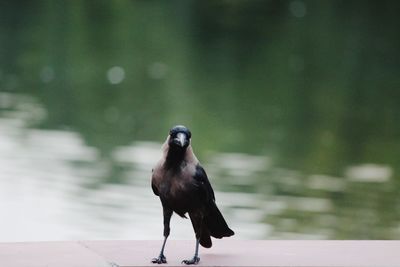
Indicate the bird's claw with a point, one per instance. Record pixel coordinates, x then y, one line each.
194 260
160 259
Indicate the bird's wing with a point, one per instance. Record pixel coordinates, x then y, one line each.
203 183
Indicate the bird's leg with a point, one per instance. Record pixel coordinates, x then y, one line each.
161 258
195 258
167 218
197 221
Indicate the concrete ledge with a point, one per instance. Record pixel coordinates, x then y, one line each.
223 253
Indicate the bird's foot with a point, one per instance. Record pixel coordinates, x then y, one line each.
194 260
160 259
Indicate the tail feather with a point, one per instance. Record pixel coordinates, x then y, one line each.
216 223
205 238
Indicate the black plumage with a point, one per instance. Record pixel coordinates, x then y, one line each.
183 187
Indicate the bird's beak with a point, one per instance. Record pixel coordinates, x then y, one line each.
181 139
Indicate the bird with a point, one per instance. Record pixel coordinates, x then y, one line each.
183 187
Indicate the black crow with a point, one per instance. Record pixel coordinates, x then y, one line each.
183 187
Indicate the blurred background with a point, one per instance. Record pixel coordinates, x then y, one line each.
294 108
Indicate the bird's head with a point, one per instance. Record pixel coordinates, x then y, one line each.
179 137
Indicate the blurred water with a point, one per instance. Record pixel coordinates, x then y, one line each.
54 187
293 105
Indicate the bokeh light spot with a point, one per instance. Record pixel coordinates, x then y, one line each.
116 75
